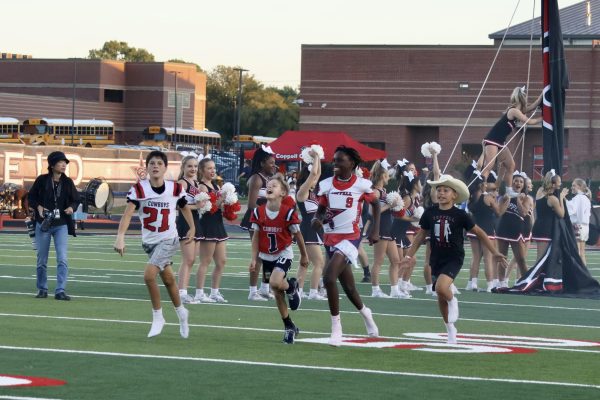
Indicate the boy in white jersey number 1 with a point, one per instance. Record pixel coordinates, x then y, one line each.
156 201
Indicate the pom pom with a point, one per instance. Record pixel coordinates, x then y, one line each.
425 150
395 201
203 202
213 201
230 211
417 214
306 157
358 172
365 172
227 188
435 148
399 214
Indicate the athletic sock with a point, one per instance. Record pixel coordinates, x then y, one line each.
253 289
366 271
214 291
183 292
287 322
474 282
429 288
313 292
157 314
199 292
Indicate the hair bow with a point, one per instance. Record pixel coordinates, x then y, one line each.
267 149
478 173
402 163
523 89
553 172
385 164
494 174
409 175
474 165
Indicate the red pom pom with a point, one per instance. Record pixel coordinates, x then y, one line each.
288 201
366 172
213 201
399 214
230 211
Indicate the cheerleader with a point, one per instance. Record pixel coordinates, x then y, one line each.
263 167
340 203
549 203
188 179
307 204
386 245
483 207
212 237
580 209
402 228
511 226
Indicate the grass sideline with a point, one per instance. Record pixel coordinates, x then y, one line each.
97 342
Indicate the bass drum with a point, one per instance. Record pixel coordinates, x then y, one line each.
96 193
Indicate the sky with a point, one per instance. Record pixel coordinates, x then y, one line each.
263 36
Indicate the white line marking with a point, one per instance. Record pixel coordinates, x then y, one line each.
25 398
306 367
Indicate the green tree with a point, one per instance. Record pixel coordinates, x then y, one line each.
115 50
265 111
180 61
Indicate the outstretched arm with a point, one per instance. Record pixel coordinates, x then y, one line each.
311 181
119 245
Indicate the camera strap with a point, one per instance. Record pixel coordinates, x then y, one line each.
56 190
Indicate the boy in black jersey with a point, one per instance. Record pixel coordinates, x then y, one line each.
444 224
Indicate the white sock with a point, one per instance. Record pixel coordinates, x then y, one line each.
474 282
157 314
214 291
451 330
253 289
179 309
313 292
429 288
335 319
199 292
375 288
183 292
495 282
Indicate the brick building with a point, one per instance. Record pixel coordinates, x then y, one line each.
134 95
398 97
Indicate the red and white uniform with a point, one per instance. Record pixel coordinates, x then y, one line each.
157 212
344 202
274 231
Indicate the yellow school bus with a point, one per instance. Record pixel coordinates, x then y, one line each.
9 130
185 139
79 132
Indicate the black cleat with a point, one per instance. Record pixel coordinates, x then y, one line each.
42 294
290 334
294 297
366 278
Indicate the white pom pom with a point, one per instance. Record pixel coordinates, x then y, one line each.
425 150
435 147
203 202
358 172
227 188
230 198
306 158
395 201
317 148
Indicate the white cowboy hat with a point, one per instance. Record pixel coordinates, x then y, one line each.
457 185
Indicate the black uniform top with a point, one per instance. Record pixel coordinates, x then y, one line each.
386 218
483 215
446 231
502 129
542 228
262 192
191 190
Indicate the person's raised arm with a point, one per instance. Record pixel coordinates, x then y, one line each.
311 181
535 104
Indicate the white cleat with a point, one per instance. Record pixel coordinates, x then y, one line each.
157 327
336 333
452 310
218 298
399 294
184 328
187 299
412 288
254 296
454 289
203 298
316 296
372 329
379 293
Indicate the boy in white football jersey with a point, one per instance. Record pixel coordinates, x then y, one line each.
156 201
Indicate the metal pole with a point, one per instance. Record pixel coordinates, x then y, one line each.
239 101
73 103
173 138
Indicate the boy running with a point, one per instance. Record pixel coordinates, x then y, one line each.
156 201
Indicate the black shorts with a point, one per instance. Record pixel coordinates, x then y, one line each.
446 267
283 264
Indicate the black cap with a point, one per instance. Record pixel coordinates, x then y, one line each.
55 157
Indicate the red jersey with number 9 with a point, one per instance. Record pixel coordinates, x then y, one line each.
157 212
274 234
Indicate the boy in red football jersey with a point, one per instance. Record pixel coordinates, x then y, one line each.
276 222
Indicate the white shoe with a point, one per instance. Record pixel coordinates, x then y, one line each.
452 310
254 296
218 298
454 289
469 286
323 292
316 296
429 291
187 299
399 294
490 286
204 299
336 334
379 293
184 328
157 327
372 329
265 293
412 287
451 329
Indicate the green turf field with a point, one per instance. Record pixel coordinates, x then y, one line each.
97 342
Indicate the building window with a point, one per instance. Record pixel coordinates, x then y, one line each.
183 100
113 96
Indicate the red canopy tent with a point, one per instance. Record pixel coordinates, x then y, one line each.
288 146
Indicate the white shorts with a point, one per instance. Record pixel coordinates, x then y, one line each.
161 253
582 232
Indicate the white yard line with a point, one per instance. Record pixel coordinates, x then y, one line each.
301 367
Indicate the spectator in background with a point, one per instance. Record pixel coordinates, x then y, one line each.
54 197
580 209
243 178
